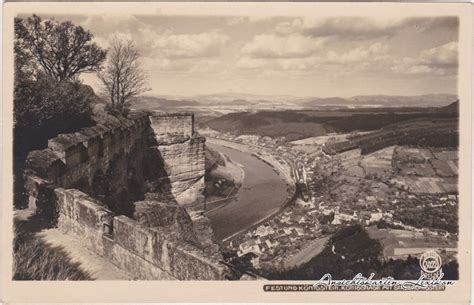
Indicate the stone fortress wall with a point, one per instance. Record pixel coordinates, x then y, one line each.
78 181
82 159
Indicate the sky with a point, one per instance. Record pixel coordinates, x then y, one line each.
297 56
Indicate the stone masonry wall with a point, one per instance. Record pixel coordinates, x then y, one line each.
148 253
180 152
113 152
173 124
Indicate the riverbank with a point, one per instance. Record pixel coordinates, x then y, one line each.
289 201
224 178
283 170
262 195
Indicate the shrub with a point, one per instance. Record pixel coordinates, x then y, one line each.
44 108
117 110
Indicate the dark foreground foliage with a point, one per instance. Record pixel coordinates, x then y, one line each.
44 108
351 251
354 252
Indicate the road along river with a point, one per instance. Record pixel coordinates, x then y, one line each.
262 193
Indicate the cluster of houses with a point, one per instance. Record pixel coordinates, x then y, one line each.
283 234
346 215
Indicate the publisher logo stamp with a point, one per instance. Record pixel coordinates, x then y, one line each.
430 262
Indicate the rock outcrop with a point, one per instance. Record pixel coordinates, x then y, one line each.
178 152
170 215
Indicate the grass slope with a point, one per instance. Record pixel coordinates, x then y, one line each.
35 260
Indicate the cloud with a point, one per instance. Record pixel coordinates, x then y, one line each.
408 65
363 27
274 46
278 64
348 27
372 52
373 59
289 27
240 20
233 21
189 45
153 41
182 65
251 63
442 56
107 24
440 60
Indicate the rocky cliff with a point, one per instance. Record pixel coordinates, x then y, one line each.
178 153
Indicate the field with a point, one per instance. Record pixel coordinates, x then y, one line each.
414 154
400 243
445 168
414 169
379 162
312 249
446 155
430 185
321 139
355 170
421 169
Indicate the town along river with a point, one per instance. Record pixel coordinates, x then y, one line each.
262 193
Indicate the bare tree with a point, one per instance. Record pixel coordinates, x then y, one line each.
123 77
63 50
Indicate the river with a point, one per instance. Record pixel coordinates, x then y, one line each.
262 193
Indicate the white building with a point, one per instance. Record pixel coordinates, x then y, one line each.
249 246
264 230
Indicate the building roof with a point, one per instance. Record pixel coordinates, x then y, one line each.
249 243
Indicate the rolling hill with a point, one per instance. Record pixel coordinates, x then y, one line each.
295 125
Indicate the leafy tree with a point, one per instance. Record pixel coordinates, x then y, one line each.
62 49
44 103
25 65
48 98
123 77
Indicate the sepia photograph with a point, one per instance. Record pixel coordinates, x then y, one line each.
293 150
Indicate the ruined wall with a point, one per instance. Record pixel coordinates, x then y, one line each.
180 168
148 253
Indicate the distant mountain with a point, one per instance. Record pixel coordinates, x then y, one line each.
272 101
230 96
428 100
433 100
244 99
328 101
151 102
453 107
